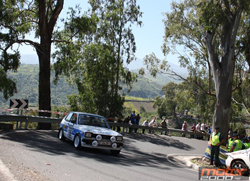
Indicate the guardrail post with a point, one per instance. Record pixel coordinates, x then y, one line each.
16 124
26 122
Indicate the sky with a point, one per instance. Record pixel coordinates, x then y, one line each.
149 37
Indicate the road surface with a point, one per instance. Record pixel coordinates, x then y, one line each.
36 155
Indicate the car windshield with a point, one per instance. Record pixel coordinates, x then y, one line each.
92 120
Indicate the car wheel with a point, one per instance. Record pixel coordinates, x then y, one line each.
61 135
77 141
238 164
115 152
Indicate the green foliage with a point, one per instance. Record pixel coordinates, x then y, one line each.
205 32
94 61
10 27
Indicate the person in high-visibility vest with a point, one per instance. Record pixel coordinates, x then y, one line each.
237 144
216 139
230 141
246 142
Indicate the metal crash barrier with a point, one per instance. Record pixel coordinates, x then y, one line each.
19 119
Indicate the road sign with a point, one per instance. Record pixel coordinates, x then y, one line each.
19 103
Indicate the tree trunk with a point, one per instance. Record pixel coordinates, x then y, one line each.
44 83
47 21
223 83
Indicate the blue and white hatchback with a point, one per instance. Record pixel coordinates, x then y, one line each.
90 130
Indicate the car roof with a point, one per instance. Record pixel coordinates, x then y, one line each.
86 113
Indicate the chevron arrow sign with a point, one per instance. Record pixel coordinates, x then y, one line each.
19 103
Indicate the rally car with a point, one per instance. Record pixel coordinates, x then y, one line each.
90 130
239 160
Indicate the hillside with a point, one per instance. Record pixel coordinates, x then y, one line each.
27 87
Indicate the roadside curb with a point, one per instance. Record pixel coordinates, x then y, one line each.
185 160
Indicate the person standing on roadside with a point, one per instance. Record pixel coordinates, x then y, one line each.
145 123
137 121
119 120
133 120
184 128
216 140
163 125
153 124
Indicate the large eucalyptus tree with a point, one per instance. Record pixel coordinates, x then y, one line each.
208 32
94 61
39 16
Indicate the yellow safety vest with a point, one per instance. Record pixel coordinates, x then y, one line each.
238 145
230 144
215 138
247 145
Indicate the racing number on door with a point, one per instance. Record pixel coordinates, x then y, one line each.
70 128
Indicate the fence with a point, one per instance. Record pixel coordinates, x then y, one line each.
19 119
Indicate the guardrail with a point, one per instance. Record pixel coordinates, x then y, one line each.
27 119
168 130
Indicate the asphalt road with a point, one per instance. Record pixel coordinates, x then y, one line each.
31 155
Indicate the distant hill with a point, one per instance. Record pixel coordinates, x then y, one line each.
27 85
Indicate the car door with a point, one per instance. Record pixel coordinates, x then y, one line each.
66 125
72 123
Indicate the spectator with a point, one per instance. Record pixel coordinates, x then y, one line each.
111 118
209 131
184 128
119 120
126 121
137 121
198 130
153 123
198 127
193 130
203 127
145 123
164 125
133 120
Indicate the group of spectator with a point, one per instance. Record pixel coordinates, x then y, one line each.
196 128
236 142
134 119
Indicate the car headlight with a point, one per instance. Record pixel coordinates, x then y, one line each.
99 137
88 135
112 139
119 138
114 145
94 143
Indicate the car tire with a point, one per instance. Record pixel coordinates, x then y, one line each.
77 141
239 164
115 152
61 135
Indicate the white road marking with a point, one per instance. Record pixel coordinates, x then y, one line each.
6 172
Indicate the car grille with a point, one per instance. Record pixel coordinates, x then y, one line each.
104 137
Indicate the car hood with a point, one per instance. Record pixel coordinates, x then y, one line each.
238 153
99 130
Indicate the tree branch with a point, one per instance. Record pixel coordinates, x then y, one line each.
55 14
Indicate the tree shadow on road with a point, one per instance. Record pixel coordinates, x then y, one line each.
47 142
